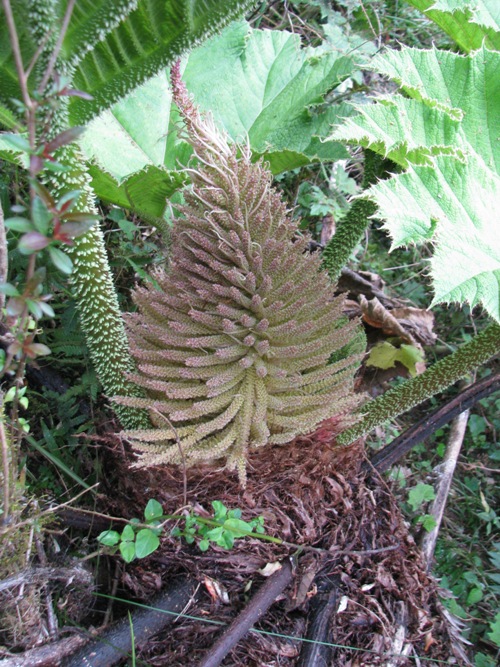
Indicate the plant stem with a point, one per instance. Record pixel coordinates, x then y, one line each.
349 233
53 56
91 279
352 227
4 256
31 124
258 536
6 467
437 378
14 40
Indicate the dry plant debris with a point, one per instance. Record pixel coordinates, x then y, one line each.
312 494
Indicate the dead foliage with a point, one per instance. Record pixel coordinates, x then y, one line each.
311 494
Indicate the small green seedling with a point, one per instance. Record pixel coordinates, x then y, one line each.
418 496
134 542
23 402
222 530
138 541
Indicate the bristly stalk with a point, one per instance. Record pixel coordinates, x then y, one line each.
91 279
233 347
416 390
95 295
356 221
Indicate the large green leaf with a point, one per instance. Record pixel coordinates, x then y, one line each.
267 90
483 12
112 46
134 150
149 38
447 137
468 22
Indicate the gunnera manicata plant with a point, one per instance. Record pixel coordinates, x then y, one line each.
232 346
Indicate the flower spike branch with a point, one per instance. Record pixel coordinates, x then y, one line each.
233 347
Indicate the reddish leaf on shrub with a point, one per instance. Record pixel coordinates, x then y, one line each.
70 230
71 92
63 138
32 242
36 350
43 193
15 306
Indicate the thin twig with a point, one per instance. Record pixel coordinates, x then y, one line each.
24 318
4 256
257 536
51 510
38 53
366 552
114 588
16 50
51 617
6 467
368 20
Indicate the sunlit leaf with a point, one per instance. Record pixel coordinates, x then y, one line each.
272 104
32 242
145 543
16 142
109 538
63 138
446 136
8 289
463 21
19 224
127 550
153 510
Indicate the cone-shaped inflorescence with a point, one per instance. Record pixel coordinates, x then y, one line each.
233 347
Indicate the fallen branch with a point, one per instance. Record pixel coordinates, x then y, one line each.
401 445
398 649
315 652
116 643
446 471
256 608
50 655
42 575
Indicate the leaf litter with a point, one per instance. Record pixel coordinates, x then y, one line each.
348 531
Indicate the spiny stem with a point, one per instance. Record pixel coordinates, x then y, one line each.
437 378
53 56
352 227
349 233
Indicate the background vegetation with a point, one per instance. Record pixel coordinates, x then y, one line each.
282 80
